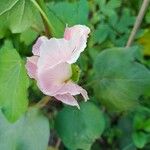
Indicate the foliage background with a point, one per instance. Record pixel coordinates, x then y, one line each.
117 116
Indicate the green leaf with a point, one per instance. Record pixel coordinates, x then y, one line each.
125 140
73 13
113 26
147 17
138 121
13 83
28 36
83 63
139 139
120 79
31 132
109 8
113 4
123 25
78 129
17 16
146 125
101 33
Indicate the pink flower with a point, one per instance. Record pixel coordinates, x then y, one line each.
51 64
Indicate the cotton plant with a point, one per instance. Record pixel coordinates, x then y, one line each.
117 82
52 61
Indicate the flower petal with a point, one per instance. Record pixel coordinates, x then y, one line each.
68 99
77 37
31 66
36 47
52 79
73 89
53 52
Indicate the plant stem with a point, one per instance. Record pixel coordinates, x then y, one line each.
43 101
48 26
138 21
58 143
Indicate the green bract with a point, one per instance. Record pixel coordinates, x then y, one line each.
75 73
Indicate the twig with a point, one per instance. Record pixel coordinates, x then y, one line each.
138 21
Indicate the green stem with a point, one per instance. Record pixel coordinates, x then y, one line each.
44 17
43 102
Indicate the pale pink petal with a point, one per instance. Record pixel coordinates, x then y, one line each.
31 66
67 99
73 89
53 52
36 47
52 79
77 37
